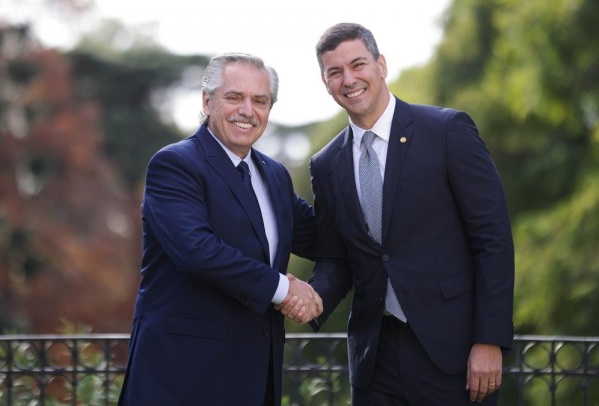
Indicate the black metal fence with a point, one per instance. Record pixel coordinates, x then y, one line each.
88 370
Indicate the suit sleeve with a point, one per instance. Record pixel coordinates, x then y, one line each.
332 276
479 195
303 242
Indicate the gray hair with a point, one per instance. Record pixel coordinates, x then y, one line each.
342 32
213 75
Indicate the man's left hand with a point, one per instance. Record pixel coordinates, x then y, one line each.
484 371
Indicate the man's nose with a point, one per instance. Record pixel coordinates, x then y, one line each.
246 107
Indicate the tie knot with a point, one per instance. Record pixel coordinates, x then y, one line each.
368 139
243 168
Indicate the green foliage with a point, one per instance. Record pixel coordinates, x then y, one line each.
131 87
558 263
69 327
466 47
314 391
531 85
529 76
415 85
132 78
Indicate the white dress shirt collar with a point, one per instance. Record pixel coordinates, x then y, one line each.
234 158
381 128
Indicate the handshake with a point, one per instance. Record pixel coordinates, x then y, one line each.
302 303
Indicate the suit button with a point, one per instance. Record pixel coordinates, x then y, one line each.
385 257
265 333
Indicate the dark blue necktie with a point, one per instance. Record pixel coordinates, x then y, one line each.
246 177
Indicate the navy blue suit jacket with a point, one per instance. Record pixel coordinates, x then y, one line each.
204 327
447 244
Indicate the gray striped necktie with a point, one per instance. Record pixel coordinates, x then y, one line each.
371 189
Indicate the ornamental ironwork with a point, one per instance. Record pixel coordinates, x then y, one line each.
89 369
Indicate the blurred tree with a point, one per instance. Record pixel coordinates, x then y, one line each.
534 92
66 240
133 85
530 80
76 132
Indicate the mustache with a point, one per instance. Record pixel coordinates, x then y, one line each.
243 119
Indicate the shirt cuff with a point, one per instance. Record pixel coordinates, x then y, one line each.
282 290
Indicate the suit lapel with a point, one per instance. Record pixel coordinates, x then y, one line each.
220 161
400 139
344 168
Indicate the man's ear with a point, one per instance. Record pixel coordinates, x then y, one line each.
205 103
383 66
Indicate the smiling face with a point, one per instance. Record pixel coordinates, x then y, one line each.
356 81
239 109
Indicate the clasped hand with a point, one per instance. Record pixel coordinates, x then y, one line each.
302 303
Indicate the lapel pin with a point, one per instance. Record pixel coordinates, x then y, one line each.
403 140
